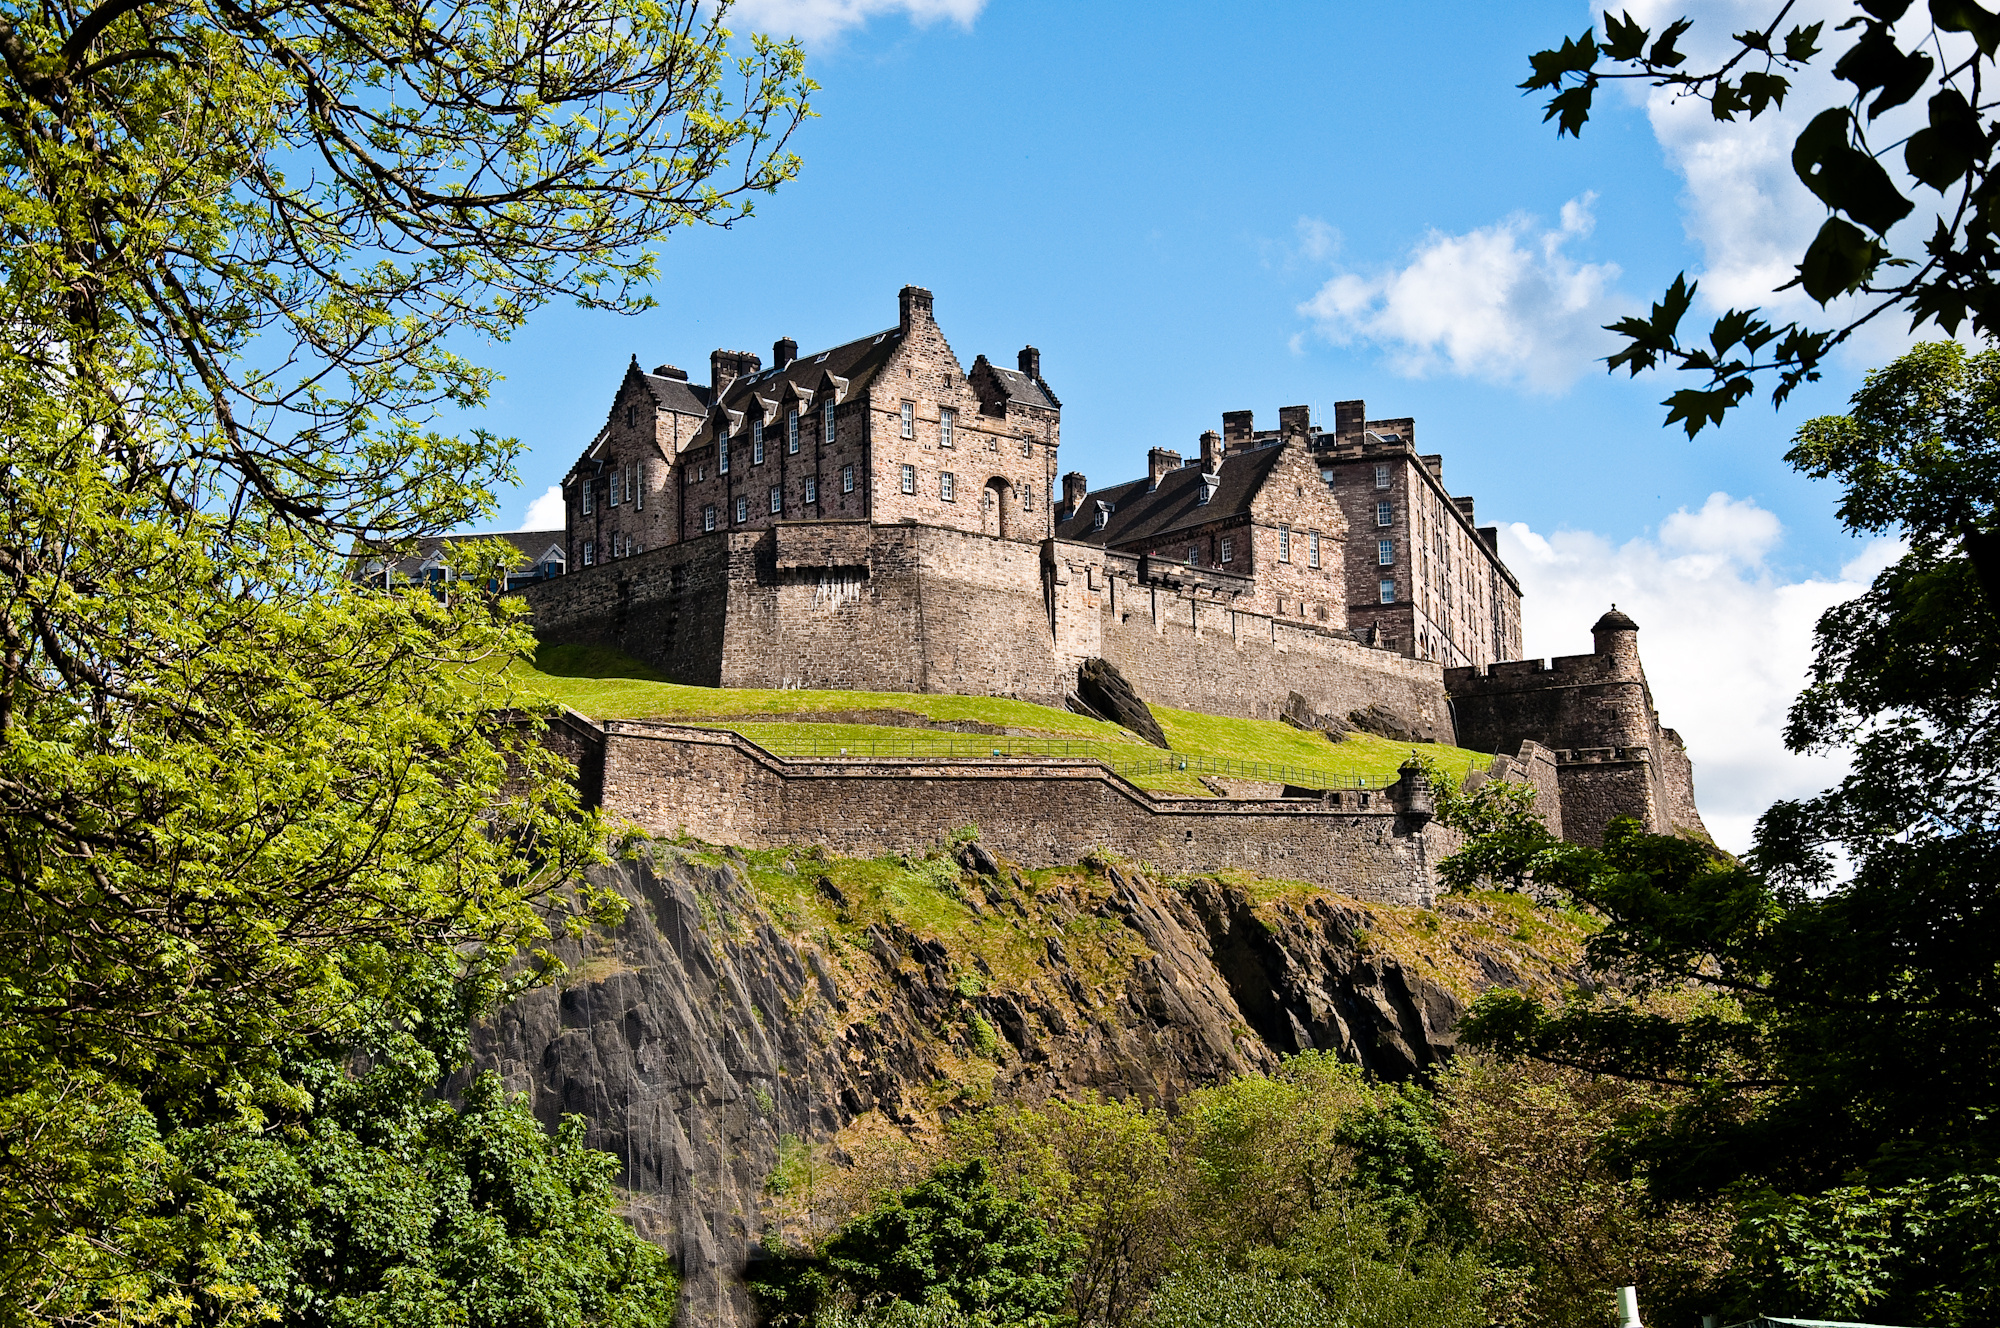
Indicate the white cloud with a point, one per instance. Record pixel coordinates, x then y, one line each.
1726 641
546 512
1504 302
817 20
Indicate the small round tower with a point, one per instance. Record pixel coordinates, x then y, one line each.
1616 635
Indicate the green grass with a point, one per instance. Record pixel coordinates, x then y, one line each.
606 685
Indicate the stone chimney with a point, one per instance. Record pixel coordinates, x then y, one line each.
1294 419
1616 635
726 366
1238 425
1075 486
912 301
669 371
783 351
1349 419
1158 462
1464 505
1211 448
1031 362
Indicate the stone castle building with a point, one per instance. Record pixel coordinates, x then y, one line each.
879 516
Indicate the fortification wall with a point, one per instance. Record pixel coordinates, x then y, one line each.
1534 765
1602 783
720 788
1572 701
1175 635
666 607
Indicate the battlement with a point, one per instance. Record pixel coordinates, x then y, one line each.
1601 755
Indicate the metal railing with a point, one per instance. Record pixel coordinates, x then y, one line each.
936 746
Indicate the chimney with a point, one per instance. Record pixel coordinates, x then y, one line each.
783 351
1464 505
1211 448
1238 425
1434 463
668 371
911 301
1031 362
1075 486
1294 419
1158 462
1349 419
726 366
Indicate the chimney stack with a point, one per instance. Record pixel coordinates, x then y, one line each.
1211 449
1074 489
783 351
1238 425
1294 419
726 366
1031 362
911 301
1349 419
669 371
1158 462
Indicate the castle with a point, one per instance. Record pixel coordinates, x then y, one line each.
879 517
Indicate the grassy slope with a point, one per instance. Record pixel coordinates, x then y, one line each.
605 685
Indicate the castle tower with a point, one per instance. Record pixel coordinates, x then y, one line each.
1616 636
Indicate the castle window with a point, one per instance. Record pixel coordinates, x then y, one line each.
909 479
588 489
1194 555
757 442
722 449
1228 549
708 517
1312 549
1027 447
589 552
777 499
1027 497
827 410
812 489
742 510
946 418
1381 477
1388 592
792 432
847 479
946 482
637 489
1385 513
701 471
1284 544
909 419
617 478
1103 515
631 416
1385 552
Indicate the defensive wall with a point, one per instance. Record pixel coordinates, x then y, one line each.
913 608
670 779
1595 712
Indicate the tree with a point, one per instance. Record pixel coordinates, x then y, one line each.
1837 1063
1948 278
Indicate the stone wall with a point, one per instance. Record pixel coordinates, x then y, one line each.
718 787
667 607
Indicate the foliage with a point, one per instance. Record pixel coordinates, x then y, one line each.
1946 278
1850 960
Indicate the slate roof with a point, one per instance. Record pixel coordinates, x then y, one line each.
677 394
1140 517
1027 391
855 361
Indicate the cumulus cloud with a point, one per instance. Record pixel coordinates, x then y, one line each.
817 20
546 512
1506 303
1726 640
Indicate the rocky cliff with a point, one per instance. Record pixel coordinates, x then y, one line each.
754 1005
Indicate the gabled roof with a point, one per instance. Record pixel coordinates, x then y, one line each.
1139 517
537 545
1018 387
854 361
675 394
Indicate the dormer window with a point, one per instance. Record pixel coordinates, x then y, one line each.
827 411
586 495
756 440
792 433
1209 484
722 447
1104 511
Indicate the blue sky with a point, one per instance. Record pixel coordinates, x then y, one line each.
1193 209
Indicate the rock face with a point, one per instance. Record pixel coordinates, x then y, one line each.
748 1003
1105 690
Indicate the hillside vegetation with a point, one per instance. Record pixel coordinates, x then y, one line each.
603 684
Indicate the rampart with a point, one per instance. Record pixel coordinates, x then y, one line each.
716 786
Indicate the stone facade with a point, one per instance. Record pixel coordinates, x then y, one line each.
1612 756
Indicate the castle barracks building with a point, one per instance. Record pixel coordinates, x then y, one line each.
881 516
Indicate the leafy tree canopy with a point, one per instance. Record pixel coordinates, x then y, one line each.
1888 53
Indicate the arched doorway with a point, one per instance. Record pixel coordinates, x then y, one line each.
996 507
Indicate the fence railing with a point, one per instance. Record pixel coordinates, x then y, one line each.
934 746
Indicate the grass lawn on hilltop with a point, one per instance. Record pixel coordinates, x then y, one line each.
603 684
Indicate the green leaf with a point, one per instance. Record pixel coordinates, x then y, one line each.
1696 408
1839 260
1877 62
1624 39
1651 337
1941 154
1663 54
1575 56
1967 16
1844 177
1764 91
1802 44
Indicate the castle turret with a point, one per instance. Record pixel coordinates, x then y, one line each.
1211 452
1616 635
